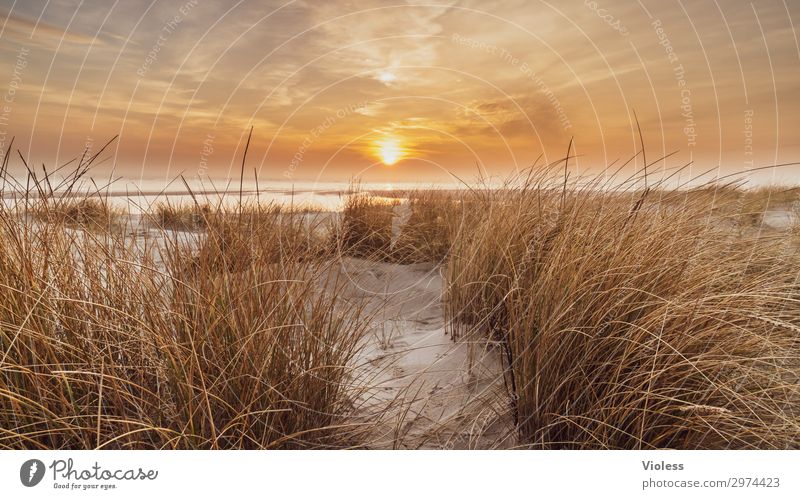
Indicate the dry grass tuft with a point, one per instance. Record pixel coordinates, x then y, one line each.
365 230
260 235
181 216
87 213
107 341
427 234
629 322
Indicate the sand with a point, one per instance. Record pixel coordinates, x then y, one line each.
426 390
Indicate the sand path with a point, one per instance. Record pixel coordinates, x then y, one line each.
426 391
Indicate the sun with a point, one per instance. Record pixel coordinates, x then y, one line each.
389 150
387 77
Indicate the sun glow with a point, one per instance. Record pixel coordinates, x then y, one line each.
387 77
389 150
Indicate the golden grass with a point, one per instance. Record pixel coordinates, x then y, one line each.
629 322
88 213
188 216
365 229
427 234
257 235
111 342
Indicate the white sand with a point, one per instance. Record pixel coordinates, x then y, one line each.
780 219
427 391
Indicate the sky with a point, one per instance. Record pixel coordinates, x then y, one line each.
421 91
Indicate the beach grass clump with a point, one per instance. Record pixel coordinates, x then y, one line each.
181 216
365 229
92 213
258 235
427 233
106 341
627 323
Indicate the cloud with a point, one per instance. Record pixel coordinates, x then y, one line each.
495 75
25 31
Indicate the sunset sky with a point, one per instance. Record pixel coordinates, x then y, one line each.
399 91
